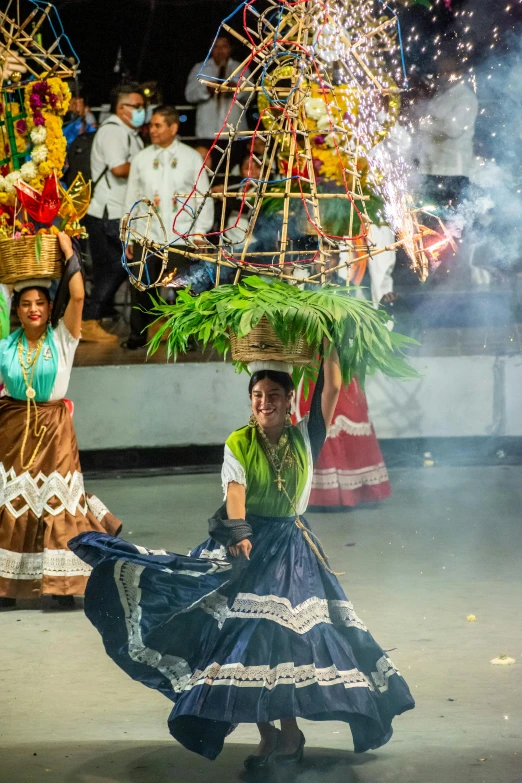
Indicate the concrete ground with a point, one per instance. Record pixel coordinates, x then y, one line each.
447 545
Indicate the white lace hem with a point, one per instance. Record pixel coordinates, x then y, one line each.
283 674
332 478
35 565
343 424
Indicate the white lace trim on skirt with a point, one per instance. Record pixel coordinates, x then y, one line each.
177 671
300 619
36 492
35 565
289 674
343 424
332 478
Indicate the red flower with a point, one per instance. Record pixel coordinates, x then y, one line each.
21 126
43 206
40 87
35 102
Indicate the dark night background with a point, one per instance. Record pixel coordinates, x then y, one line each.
161 40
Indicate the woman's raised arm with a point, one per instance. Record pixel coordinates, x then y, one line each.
73 313
332 383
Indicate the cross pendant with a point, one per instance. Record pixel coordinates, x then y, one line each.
280 483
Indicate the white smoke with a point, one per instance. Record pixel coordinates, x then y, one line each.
490 214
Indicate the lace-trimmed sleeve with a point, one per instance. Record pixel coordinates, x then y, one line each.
232 470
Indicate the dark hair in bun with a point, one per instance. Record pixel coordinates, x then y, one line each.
281 378
18 294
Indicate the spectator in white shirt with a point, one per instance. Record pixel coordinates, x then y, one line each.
213 106
445 136
116 143
166 173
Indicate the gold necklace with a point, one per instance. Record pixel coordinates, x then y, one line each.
279 455
28 367
277 464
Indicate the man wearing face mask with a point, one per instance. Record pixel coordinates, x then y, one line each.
116 143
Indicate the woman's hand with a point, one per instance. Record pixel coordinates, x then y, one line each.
65 244
241 549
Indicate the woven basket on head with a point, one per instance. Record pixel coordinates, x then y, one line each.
263 344
19 260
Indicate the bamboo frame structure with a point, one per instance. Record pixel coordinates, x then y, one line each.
23 39
288 67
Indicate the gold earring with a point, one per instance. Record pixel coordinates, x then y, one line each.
288 419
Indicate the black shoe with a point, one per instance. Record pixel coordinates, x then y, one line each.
259 762
64 601
293 758
133 345
7 603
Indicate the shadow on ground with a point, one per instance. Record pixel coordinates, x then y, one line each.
164 763
168 762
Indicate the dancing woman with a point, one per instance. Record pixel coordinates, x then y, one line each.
350 468
252 626
42 497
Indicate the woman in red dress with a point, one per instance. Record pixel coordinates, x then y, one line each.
350 468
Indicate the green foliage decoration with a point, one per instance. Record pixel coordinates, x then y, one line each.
354 326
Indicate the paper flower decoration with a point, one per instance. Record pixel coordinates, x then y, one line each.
315 108
42 207
38 134
75 200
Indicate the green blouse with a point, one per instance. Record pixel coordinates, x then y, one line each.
246 463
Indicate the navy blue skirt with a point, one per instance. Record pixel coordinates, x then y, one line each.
234 641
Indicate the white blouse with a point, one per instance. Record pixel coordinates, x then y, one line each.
233 470
66 345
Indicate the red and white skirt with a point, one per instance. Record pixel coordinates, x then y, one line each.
350 468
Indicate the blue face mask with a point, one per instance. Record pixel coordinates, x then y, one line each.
138 118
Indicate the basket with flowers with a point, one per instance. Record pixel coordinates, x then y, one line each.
31 197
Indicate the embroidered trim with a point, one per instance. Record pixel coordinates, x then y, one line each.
332 478
96 507
300 619
385 669
282 674
143 550
36 492
219 565
344 424
35 565
176 670
219 553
